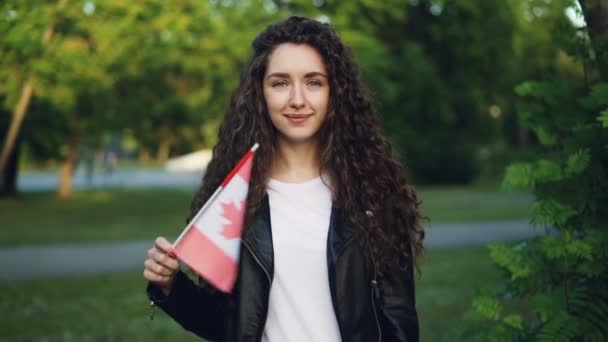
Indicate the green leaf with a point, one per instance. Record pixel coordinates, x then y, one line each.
576 246
545 137
514 321
567 244
510 259
527 88
553 247
578 161
560 327
547 171
488 307
550 213
599 94
603 118
518 176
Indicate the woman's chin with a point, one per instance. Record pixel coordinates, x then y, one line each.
298 139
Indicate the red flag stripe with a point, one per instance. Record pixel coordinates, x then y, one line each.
207 259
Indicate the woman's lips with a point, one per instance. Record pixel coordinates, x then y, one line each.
297 118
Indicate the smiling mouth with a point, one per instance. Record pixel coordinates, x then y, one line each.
297 119
297 116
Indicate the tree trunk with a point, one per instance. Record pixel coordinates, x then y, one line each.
596 17
17 120
10 171
67 170
143 156
163 151
22 105
523 137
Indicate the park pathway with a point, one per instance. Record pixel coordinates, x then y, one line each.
51 261
29 181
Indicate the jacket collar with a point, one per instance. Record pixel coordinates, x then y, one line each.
259 236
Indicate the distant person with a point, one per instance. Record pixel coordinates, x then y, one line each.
88 156
110 161
332 225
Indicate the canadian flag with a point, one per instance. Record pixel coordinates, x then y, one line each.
210 244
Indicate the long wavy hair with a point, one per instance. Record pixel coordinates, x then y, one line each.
369 186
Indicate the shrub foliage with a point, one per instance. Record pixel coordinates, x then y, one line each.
556 286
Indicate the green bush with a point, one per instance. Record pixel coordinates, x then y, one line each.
555 287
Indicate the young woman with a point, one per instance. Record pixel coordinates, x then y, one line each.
332 226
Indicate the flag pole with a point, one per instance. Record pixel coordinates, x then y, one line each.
208 203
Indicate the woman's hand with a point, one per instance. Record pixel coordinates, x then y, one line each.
161 265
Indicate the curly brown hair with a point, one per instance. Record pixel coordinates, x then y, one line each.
369 185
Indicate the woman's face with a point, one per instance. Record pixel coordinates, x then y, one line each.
296 90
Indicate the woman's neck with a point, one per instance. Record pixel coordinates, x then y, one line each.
295 162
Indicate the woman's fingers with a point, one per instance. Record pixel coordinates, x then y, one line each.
157 268
163 245
163 259
155 277
160 266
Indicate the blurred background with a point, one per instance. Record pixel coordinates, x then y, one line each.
497 108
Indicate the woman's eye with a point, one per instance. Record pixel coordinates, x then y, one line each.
314 83
279 84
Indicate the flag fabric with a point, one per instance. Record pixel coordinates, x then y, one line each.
210 244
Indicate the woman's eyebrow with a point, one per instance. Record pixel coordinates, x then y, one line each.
315 74
286 75
278 74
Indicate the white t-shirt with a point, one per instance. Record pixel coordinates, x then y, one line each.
300 306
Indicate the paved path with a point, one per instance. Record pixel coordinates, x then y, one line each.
49 180
34 262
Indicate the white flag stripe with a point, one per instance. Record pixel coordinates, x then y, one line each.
212 222
209 202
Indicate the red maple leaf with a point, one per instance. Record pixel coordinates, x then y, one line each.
233 214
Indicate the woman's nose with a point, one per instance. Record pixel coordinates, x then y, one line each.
296 99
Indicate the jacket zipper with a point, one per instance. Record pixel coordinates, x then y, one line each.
152 306
374 291
269 284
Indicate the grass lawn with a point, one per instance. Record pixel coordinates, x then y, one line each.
116 214
449 281
119 214
462 205
114 307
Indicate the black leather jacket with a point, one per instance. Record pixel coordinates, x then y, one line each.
365 311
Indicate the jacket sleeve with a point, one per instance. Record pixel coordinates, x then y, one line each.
399 307
197 309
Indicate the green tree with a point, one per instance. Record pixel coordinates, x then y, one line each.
180 65
162 70
559 280
16 88
68 85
